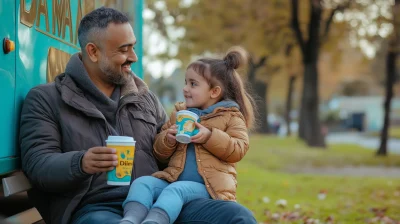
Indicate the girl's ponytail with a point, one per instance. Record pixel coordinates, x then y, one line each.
235 58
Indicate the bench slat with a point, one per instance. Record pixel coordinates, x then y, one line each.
28 216
15 184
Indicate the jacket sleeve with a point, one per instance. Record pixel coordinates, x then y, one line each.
229 146
161 148
44 163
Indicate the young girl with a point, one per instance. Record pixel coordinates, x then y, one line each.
204 168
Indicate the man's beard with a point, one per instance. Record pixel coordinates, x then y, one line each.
114 77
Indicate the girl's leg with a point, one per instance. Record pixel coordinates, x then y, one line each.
142 193
171 200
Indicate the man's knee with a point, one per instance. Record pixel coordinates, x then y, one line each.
230 212
240 214
216 211
99 217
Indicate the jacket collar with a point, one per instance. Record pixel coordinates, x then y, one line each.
72 95
216 111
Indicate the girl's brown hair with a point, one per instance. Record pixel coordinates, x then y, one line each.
223 73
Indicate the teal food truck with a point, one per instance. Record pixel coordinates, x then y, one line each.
38 37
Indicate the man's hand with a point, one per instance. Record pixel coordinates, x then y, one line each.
99 159
171 132
203 135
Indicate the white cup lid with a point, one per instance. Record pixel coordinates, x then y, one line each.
122 139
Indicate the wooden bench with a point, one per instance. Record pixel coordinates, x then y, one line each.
13 185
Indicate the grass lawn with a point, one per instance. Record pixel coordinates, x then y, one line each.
263 180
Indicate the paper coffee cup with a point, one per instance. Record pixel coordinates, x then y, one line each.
125 146
185 120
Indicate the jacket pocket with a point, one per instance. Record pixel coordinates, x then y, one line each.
143 127
148 118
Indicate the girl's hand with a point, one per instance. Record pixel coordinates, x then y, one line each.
171 132
203 135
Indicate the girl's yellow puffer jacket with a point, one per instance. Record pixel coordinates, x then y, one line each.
216 159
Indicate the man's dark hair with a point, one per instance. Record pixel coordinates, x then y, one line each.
97 20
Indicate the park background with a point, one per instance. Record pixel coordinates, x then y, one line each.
325 77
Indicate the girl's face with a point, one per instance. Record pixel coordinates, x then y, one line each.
197 91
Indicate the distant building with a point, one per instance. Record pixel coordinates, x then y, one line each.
364 113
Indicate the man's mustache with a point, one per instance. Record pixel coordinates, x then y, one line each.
127 63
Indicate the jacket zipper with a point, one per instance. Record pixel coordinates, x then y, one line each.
119 125
210 187
205 179
121 131
184 162
119 128
107 129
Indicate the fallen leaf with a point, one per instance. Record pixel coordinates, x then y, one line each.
379 212
321 196
281 203
266 200
330 220
275 216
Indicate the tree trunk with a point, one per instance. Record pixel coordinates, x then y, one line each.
394 48
302 120
259 93
292 79
390 79
261 90
311 126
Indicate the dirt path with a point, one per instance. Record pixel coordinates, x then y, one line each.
368 142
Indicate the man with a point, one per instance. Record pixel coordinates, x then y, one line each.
64 126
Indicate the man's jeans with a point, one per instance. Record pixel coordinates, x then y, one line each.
207 211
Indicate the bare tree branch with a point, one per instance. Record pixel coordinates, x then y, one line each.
394 40
288 50
255 65
329 21
261 62
275 69
314 27
296 25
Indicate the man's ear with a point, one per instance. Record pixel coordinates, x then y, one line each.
92 52
216 92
